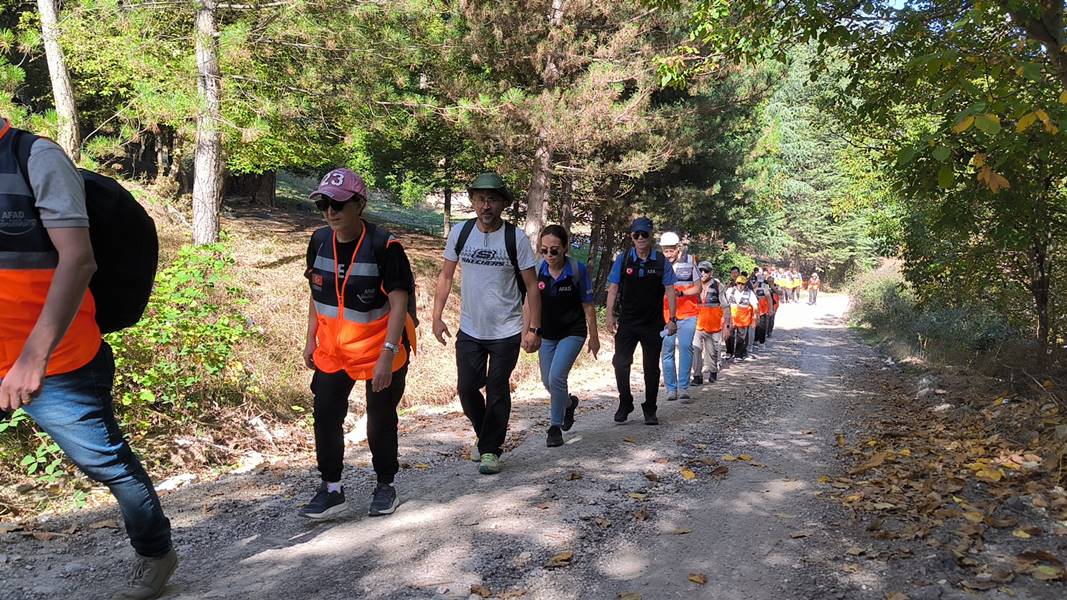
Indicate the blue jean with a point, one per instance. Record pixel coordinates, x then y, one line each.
557 357
677 379
75 409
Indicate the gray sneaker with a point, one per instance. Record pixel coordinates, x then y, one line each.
150 576
686 399
384 501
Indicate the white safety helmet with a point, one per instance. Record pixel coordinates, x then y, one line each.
669 238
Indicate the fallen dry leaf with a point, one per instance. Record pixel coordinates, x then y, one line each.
841 441
629 596
719 471
875 461
728 458
422 466
629 440
574 476
896 596
1022 535
637 496
681 531
803 533
43 536
649 475
481 591
641 515
1001 522
855 551
688 474
104 524
560 560
745 457
603 522
698 578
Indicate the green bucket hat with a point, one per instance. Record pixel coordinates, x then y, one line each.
491 181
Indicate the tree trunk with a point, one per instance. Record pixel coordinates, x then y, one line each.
537 198
259 188
447 224
595 237
207 170
62 90
567 200
607 255
540 180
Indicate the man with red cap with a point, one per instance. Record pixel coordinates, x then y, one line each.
360 328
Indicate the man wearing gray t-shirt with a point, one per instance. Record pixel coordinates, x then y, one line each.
492 326
53 363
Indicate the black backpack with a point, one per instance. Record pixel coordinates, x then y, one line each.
509 244
124 242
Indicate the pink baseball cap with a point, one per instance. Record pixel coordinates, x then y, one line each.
341 185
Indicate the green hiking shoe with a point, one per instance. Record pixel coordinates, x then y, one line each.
490 464
150 576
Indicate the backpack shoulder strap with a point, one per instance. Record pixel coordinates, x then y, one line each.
575 275
23 146
510 232
464 233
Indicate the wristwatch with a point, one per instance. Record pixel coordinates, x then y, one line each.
674 320
534 330
391 347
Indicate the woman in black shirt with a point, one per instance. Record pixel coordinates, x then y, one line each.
567 313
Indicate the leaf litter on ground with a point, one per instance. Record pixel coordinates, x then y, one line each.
962 471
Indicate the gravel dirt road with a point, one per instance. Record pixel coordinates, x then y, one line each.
662 512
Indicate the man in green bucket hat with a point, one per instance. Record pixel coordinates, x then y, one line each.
498 275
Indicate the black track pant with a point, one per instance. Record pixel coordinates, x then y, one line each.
737 343
488 364
626 340
331 405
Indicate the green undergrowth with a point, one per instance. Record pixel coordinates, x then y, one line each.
886 311
174 369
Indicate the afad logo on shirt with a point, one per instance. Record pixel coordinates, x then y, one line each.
540 285
629 270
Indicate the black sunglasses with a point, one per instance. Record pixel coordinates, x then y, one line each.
550 251
639 234
704 270
323 203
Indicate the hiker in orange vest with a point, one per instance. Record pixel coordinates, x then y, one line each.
713 317
676 375
776 302
765 310
743 307
813 288
53 362
360 328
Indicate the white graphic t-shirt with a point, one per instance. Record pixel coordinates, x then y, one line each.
491 303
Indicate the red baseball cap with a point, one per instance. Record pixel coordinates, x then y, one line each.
341 185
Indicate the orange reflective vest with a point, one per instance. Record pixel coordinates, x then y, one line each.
742 307
353 311
27 266
710 310
764 299
686 273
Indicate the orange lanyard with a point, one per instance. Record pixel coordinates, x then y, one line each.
338 286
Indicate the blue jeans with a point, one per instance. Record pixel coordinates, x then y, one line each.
75 409
557 357
677 379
